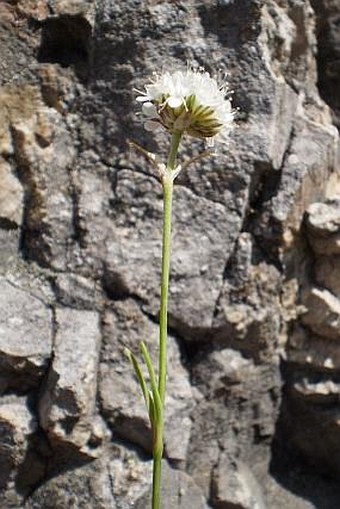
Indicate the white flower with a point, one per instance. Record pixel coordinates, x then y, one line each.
189 101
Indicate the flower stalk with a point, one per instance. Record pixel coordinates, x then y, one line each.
168 185
184 103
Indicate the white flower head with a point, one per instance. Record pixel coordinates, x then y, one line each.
188 101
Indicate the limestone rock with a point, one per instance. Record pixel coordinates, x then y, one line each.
313 408
323 224
94 225
21 464
327 273
11 196
199 249
327 12
319 392
25 337
235 486
305 173
179 492
309 350
244 249
77 291
116 480
248 305
226 380
9 246
42 150
76 8
323 313
68 401
45 156
219 368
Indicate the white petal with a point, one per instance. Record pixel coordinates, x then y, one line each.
142 98
175 102
149 109
150 125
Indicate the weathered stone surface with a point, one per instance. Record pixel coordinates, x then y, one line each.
226 380
306 170
318 392
323 224
77 291
327 24
220 368
200 245
309 350
76 8
179 492
327 273
89 222
9 246
312 410
323 313
49 214
114 481
11 196
249 306
67 404
94 227
234 485
21 466
25 337
125 326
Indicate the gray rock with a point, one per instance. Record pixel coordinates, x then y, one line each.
220 368
85 233
21 466
323 313
77 291
11 196
179 491
68 401
306 170
309 350
248 309
25 337
76 8
42 147
94 228
327 12
323 224
116 480
327 273
9 247
234 485
200 243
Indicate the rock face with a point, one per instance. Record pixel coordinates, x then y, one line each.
253 389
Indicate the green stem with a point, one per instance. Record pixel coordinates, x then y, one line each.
168 184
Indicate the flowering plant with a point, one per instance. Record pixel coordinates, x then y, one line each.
192 103
189 102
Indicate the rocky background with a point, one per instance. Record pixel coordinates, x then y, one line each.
253 416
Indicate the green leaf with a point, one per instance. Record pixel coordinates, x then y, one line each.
151 410
155 393
140 377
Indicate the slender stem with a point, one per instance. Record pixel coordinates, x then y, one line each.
163 316
156 479
168 184
175 141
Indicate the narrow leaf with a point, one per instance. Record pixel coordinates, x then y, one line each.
151 410
155 393
140 377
